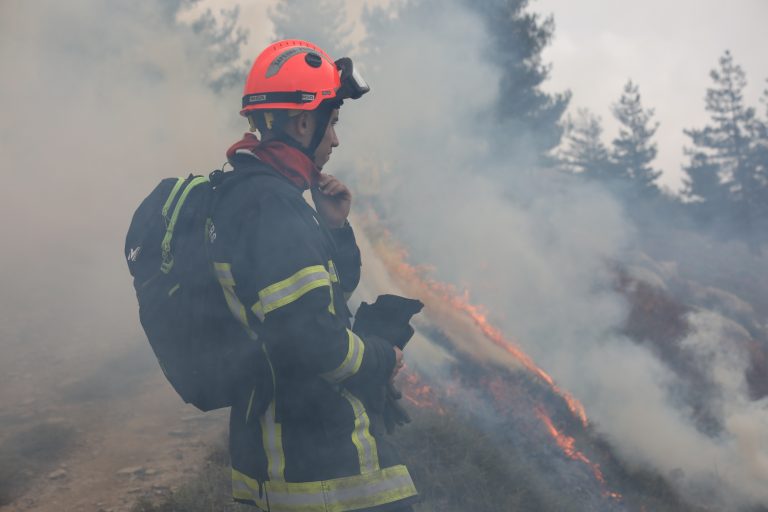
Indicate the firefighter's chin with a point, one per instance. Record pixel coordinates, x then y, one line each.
320 162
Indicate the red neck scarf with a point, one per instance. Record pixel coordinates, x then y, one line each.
286 160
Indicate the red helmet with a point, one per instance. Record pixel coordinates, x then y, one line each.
297 75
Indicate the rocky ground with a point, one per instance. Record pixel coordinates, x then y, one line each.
85 439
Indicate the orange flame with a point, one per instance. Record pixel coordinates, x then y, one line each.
478 315
419 394
395 257
567 444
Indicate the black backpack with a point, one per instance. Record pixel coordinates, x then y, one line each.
206 355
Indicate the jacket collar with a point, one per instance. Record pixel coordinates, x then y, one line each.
287 160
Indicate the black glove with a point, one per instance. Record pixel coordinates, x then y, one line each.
394 414
387 318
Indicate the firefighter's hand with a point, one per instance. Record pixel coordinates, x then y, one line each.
333 200
399 363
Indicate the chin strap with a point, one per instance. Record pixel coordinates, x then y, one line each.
290 141
322 118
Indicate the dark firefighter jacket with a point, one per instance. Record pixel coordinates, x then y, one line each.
307 438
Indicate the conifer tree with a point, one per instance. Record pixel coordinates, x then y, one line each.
529 116
633 150
764 99
724 170
224 39
584 152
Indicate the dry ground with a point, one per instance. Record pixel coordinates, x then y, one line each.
81 434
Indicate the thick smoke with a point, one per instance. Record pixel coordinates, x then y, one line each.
538 252
99 102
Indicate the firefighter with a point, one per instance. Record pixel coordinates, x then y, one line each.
308 437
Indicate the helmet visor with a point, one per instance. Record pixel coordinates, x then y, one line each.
353 85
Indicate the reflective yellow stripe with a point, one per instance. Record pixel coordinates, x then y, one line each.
272 438
224 275
332 272
171 196
331 305
165 245
258 310
227 281
334 279
338 495
367 452
291 289
247 489
352 361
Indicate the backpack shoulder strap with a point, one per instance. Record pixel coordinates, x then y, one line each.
182 188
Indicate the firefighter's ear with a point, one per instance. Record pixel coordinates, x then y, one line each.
306 123
301 127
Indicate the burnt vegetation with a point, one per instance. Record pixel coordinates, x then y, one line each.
715 231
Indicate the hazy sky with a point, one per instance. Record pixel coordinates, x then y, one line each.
668 48
129 106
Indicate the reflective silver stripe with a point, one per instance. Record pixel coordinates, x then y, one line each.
272 438
224 273
349 493
332 272
247 489
352 361
240 489
354 494
367 451
258 310
292 288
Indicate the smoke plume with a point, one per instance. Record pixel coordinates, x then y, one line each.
99 102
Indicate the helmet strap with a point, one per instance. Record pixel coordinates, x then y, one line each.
286 139
322 118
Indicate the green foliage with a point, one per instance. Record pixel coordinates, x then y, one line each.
223 41
633 149
584 151
529 117
727 169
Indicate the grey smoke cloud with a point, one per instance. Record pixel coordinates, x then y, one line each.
100 102
536 252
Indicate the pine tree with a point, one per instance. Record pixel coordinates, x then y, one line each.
585 153
223 40
760 155
529 116
764 99
322 22
723 171
633 150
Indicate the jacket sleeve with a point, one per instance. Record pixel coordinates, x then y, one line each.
283 258
347 258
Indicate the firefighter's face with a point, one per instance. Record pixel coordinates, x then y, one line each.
328 142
